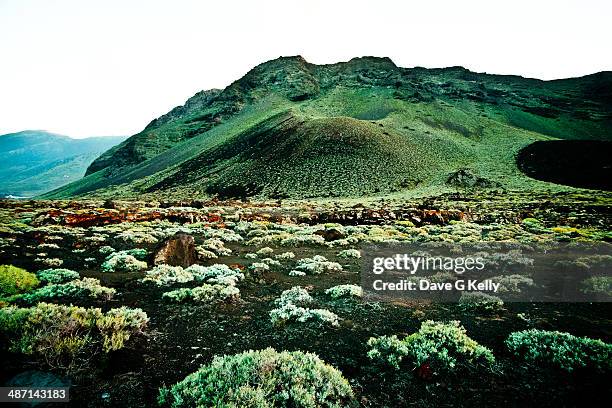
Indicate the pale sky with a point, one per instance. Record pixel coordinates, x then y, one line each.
86 68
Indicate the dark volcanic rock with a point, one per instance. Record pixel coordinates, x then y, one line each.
176 251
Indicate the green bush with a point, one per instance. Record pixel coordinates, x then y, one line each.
599 285
67 337
560 349
264 378
15 280
86 287
125 261
57 275
205 293
480 302
292 307
444 346
344 291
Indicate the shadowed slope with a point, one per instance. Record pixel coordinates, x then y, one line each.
289 155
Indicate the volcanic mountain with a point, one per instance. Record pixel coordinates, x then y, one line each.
291 129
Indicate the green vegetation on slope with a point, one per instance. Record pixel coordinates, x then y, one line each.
365 127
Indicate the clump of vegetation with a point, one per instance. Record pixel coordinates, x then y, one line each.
345 291
106 250
259 267
263 378
285 256
512 283
349 253
561 350
125 261
167 275
292 308
68 337
57 275
15 280
214 246
265 251
597 285
296 295
443 346
214 274
480 302
50 262
205 293
317 265
78 288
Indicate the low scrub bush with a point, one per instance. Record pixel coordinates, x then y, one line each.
214 274
68 337
344 291
15 280
597 285
57 275
78 288
561 350
167 275
480 302
317 265
292 308
125 261
263 378
205 293
443 346
513 283
349 253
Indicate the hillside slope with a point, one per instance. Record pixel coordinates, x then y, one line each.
34 162
289 128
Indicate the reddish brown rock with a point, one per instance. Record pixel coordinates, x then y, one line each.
176 251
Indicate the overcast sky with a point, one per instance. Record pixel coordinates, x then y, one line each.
87 68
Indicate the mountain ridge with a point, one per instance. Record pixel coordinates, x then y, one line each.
443 102
36 161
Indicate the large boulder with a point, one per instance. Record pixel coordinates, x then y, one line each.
176 251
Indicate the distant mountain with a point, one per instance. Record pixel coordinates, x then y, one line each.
34 162
289 128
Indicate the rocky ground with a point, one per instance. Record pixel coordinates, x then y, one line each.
254 239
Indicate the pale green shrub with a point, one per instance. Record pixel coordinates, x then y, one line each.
167 275
205 293
444 346
265 251
480 302
296 295
86 287
512 283
291 309
285 256
349 253
264 378
597 285
317 265
344 291
125 261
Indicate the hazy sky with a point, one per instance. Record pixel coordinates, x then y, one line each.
85 68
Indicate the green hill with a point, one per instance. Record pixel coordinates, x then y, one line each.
289 128
34 162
